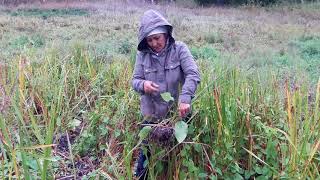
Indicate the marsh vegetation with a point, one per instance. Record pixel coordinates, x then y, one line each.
68 110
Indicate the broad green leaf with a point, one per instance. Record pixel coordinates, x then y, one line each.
74 123
219 171
144 132
237 176
212 177
202 175
180 131
33 164
248 174
167 97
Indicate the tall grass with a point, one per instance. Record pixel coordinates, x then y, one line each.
244 126
73 114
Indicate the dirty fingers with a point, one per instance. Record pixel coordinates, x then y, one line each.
183 109
150 87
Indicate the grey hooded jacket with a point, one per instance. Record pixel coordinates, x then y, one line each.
172 69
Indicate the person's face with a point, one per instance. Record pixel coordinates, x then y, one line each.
156 42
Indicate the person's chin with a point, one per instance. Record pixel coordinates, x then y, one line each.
158 50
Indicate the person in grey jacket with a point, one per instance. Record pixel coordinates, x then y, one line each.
162 65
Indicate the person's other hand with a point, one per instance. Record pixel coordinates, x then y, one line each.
183 109
150 87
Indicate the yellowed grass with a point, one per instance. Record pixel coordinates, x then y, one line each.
242 30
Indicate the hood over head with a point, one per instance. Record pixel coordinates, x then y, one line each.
158 30
150 21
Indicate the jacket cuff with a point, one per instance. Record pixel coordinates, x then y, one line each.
185 99
141 86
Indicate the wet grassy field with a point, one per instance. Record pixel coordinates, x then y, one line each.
68 110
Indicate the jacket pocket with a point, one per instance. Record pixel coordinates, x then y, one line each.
150 74
173 73
173 66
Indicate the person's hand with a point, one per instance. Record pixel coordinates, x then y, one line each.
183 109
150 87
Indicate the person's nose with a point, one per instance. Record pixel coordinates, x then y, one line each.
154 43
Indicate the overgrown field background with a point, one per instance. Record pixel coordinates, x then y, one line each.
68 110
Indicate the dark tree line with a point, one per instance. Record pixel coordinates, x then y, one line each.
248 2
200 2
158 1
15 2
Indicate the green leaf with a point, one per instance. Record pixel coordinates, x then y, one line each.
144 132
212 177
59 121
258 169
167 97
117 133
180 131
145 163
237 176
202 175
74 123
198 148
159 167
191 166
105 120
53 159
104 131
33 164
219 171
248 174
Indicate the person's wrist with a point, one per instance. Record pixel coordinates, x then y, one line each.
143 89
146 85
185 99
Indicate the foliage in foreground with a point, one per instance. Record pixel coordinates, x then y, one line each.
72 114
77 116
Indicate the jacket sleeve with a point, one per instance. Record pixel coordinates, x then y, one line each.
138 75
191 75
